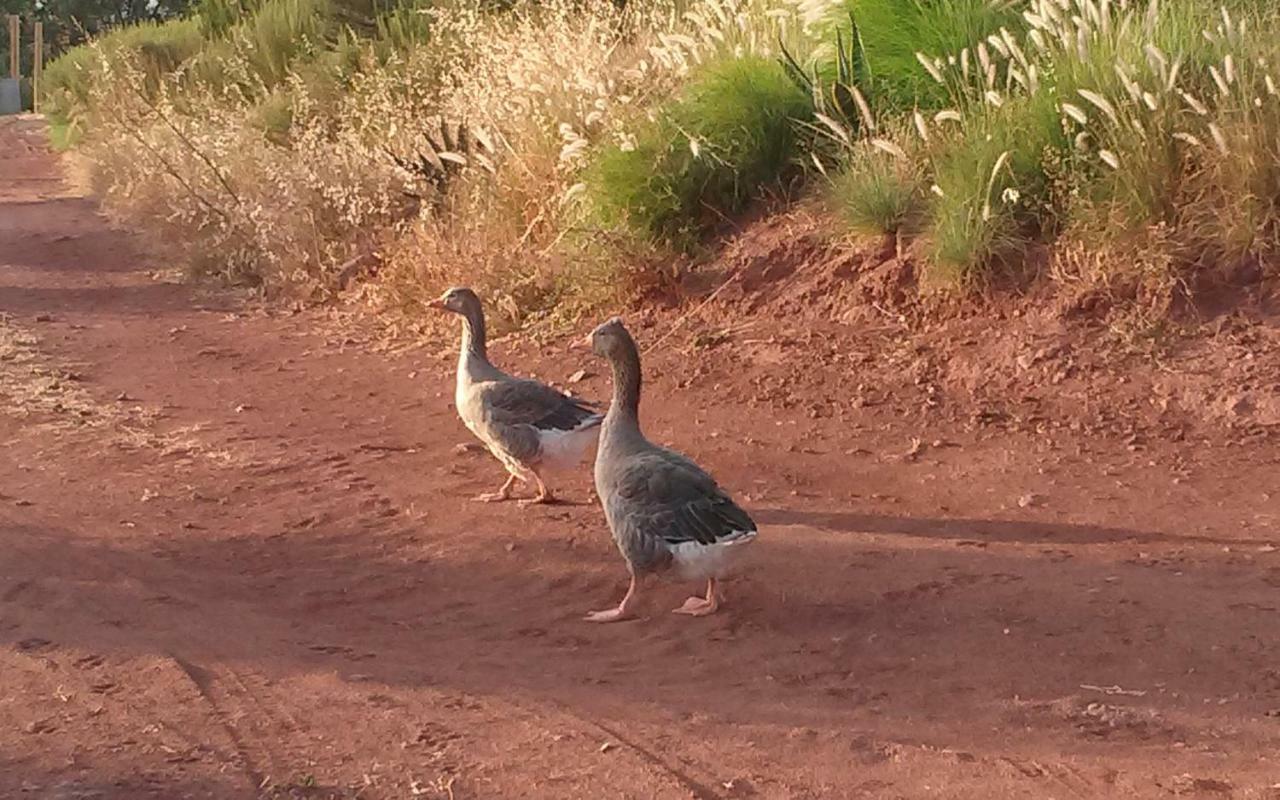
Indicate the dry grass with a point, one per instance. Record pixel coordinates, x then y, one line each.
539 86
376 167
33 388
459 160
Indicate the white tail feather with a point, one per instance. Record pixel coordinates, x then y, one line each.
701 561
566 449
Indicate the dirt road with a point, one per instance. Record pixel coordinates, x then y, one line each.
238 560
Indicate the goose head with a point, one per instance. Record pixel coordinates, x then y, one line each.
459 300
610 339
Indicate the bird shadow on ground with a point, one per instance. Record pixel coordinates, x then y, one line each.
981 530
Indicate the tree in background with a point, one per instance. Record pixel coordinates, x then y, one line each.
68 23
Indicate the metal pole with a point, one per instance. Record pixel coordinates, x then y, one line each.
37 66
15 42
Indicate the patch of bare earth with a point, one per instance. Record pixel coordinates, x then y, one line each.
955 594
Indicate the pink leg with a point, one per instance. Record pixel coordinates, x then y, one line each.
623 611
701 606
544 494
502 494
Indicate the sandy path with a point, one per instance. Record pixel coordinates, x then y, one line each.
237 560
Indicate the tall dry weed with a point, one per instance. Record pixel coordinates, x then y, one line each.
285 184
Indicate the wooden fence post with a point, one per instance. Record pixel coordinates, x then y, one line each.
15 44
37 66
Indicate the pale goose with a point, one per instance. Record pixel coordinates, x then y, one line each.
526 425
663 509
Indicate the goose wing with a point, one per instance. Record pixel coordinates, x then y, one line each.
669 497
524 402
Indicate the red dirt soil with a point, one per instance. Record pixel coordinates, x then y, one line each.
238 560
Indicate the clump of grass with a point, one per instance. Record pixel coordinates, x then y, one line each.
730 134
1180 131
259 50
218 17
880 192
280 32
990 191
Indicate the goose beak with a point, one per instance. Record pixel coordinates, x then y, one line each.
438 304
582 345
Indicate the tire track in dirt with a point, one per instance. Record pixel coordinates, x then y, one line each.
219 705
663 766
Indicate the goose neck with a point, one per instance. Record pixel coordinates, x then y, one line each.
473 335
626 383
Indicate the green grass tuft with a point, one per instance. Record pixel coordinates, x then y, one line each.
727 136
992 192
877 193
62 135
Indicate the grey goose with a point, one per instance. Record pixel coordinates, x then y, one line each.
526 425
663 509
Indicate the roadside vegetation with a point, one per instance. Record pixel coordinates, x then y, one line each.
564 154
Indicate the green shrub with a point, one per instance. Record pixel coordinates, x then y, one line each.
62 136
259 51
66 85
404 27
323 80
1097 120
893 31
729 134
161 46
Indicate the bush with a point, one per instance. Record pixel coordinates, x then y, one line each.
66 84
255 52
1183 135
727 136
280 32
